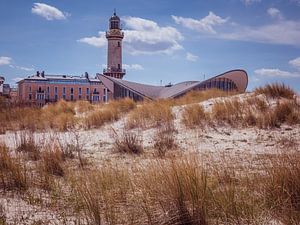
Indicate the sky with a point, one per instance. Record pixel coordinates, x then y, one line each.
166 41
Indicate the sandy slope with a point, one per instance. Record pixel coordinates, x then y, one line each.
239 145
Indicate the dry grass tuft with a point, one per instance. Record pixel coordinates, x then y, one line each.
13 173
194 116
200 96
276 90
51 162
151 114
109 113
282 186
83 106
229 111
128 142
26 143
286 112
164 140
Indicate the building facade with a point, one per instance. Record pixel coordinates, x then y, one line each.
40 89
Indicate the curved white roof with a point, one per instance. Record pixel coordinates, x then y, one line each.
239 77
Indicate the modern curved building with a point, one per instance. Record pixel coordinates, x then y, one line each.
234 80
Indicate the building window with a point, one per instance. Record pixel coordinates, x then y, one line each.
119 66
72 91
72 97
48 89
40 89
79 91
95 98
56 97
79 97
29 88
87 91
30 96
55 90
64 90
119 44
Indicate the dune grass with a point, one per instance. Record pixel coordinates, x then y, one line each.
276 90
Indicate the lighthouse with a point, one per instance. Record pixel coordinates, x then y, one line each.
114 38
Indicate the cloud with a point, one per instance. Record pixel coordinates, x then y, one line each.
48 12
99 41
275 73
204 25
17 79
133 67
22 68
249 2
275 13
191 57
295 63
143 36
282 31
5 60
128 66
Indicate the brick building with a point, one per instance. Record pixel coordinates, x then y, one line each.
41 89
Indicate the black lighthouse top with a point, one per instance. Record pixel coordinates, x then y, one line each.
114 22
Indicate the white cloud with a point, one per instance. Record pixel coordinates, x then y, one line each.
275 13
128 66
143 37
205 25
249 2
275 73
191 57
295 63
48 12
22 68
5 60
133 67
99 41
280 31
17 79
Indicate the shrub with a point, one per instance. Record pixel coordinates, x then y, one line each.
276 90
194 116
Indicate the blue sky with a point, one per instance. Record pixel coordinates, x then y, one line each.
168 40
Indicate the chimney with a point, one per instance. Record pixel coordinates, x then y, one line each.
37 73
86 75
43 73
